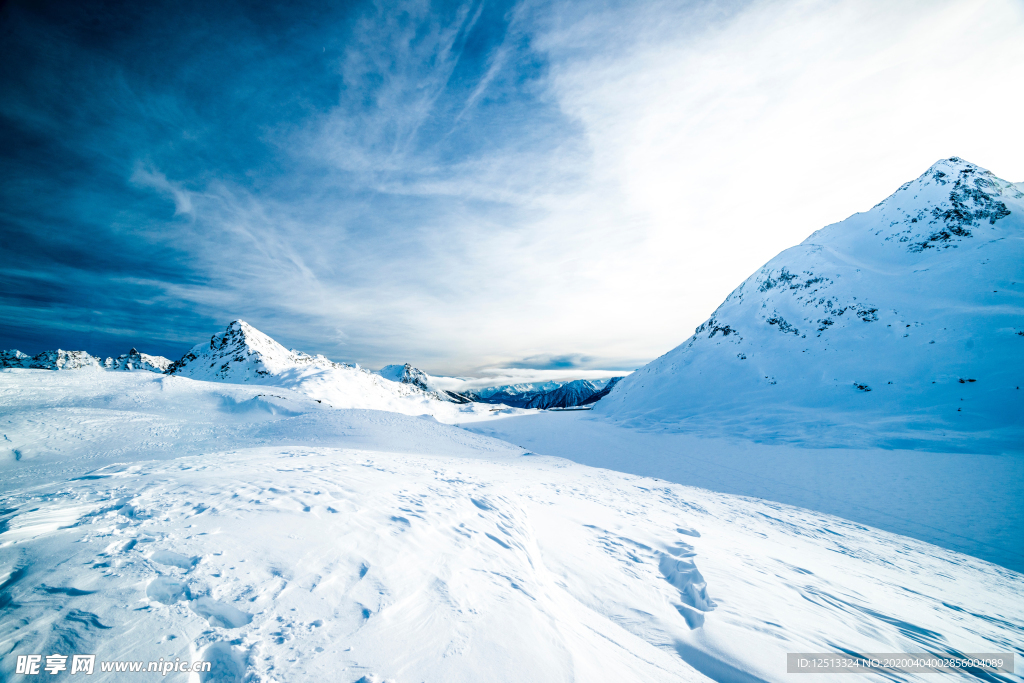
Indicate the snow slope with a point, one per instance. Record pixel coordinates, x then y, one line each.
901 327
244 355
155 516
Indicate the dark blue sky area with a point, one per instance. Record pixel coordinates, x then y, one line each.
169 166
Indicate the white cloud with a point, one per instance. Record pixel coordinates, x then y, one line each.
700 143
148 177
727 144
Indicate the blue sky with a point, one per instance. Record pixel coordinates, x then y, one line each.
559 185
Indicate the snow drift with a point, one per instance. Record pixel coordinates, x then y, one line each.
900 326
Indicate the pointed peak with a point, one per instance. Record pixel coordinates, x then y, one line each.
241 332
952 162
952 168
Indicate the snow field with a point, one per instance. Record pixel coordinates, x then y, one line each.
284 541
968 502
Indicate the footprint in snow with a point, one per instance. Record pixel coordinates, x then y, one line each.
167 591
173 559
228 663
219 613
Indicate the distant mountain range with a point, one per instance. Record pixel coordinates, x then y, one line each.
544 395
242 354
899 326
539 395
74 360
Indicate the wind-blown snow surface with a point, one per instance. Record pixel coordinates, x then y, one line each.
901 327
968 502
243 354
155 516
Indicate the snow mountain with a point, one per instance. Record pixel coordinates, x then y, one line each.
568 395
241 354
542 394
518 395
49 360
902 326
522 391
407 374
133 360
13 359
77 360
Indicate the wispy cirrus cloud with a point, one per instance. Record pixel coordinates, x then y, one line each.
463 185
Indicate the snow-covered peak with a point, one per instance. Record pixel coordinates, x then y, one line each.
241 353
953 202
406 374
133 360
519 390
895 326
570 394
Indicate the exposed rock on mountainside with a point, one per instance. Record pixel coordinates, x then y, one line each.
532 395
76 360
133 360
871 330
594 398
14 359
407 374
543 394
518 393
568 395
49 360
512 395
241 353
